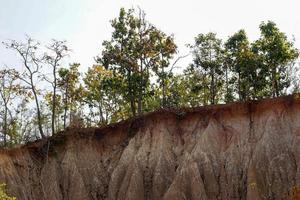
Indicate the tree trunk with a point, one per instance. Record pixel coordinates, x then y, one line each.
212 85
140 98
227 86
101 113
275 91
66 106
239 86
38 110
163 90
132 105
53 107
5 124
131 96
205 97
65 116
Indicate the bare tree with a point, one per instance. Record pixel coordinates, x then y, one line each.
32 63
57 51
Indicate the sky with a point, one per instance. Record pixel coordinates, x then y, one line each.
85 24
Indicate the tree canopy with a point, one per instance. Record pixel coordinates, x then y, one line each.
136 72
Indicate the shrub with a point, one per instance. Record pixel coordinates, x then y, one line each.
4 195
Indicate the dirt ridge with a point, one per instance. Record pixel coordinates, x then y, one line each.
246 150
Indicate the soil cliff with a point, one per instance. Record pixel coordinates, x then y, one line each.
237 151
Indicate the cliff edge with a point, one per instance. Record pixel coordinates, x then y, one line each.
245 150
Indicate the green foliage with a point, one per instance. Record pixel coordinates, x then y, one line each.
241 69
196 86
277 53
10 91
135 49
103 94
71 91
134 74
4 195
208 58
249 76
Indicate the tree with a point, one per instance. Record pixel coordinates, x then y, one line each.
207 56
293 74
68 85
57 51
135 49
229 77
177 95
196 86
32 63
24 122
278 53
248 72
167 48
97 95
9 90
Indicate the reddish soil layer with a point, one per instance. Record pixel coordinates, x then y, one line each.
245 150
